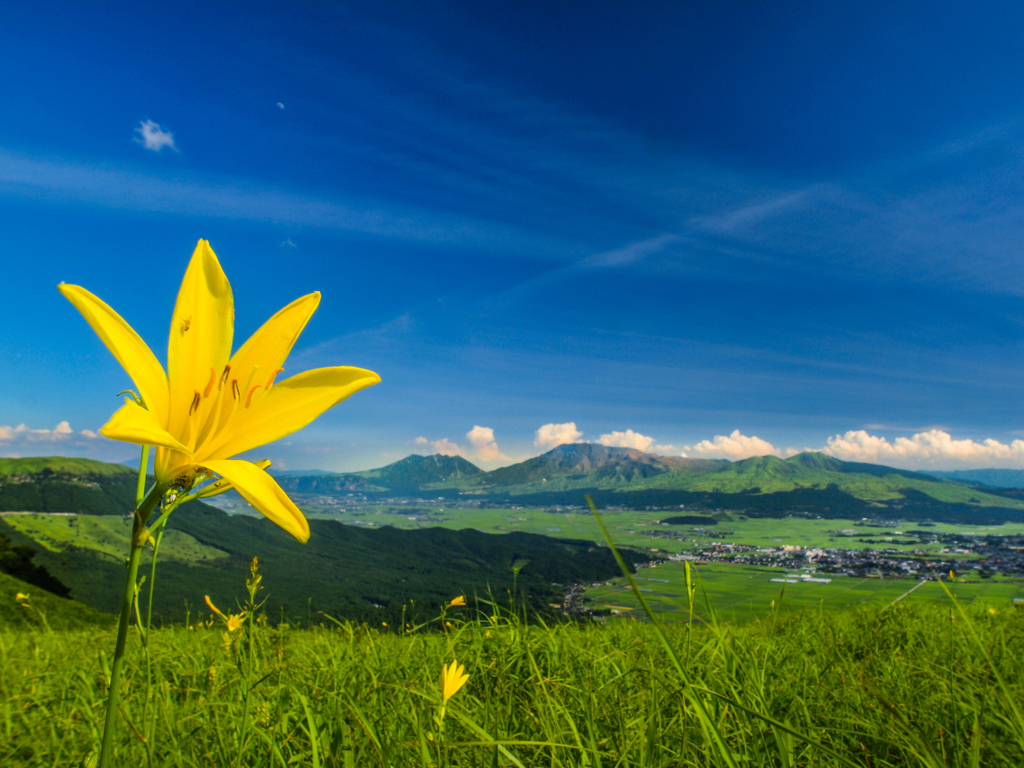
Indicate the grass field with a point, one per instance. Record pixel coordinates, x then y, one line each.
922 684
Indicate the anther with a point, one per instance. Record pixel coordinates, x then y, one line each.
224 376
209 387
234 389
248 399
270 381
196 399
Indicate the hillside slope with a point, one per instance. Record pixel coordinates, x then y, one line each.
57 484
354 572
588 465
867 482
408 474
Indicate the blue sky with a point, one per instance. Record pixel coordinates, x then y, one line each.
674 226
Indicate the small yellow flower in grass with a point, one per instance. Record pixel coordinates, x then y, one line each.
211 404
452 679
992 611
232 622
460 600
21 596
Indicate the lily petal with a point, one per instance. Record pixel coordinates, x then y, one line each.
134 424
200 341
223 486
263 492
127 346
289 406
268 348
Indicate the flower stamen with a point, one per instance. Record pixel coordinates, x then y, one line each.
248 399
209 387
273 376
224 376
234 389
197 398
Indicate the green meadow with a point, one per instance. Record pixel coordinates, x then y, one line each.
744 593
924 683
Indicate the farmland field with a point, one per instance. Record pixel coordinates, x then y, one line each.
639 528
742 593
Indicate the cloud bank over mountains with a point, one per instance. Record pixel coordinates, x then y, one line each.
932 449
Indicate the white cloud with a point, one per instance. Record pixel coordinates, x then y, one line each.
19 441
446 447
736 446
153 136
22 433
482 440
280 105
925 449
627 439
421 440
552 435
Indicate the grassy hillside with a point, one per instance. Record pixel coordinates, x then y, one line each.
57 484
866 482
343 569
587 465
415 471
43 609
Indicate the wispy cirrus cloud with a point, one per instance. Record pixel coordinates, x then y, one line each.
127 188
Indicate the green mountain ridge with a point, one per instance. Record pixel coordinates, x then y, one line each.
344 570
58 484
567 471
411 473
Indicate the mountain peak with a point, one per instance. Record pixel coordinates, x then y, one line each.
415 470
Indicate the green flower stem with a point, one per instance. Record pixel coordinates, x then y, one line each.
139 536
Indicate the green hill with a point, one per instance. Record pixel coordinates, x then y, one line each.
57 484
411 473
363 574
43 609
586 465
866 482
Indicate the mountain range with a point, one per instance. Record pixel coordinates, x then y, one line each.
808 483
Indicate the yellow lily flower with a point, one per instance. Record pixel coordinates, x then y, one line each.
452 679
232 622
212 405
460 600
